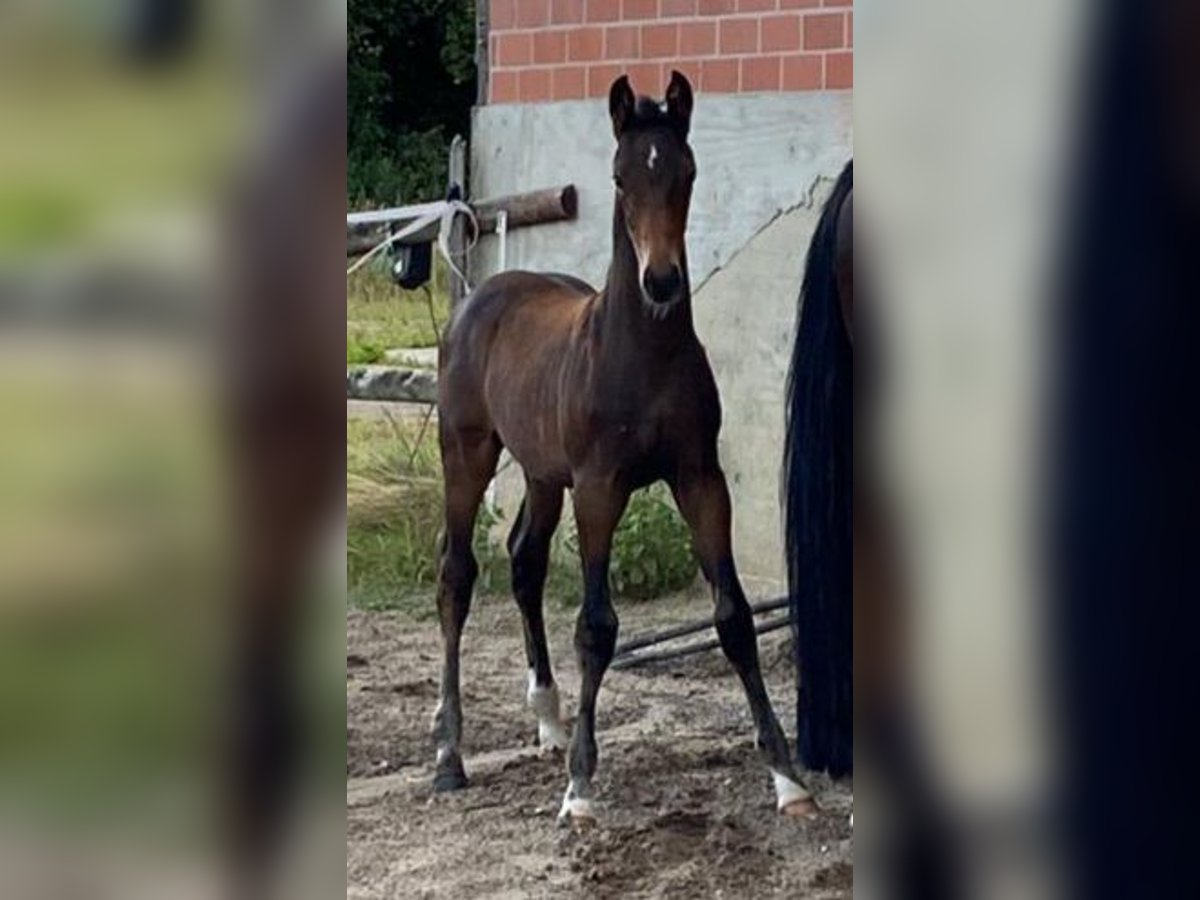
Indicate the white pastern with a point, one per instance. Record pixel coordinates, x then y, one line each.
787 791
543 700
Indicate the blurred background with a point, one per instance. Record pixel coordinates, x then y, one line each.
137 220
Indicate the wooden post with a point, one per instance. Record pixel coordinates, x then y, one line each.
458 232
540 207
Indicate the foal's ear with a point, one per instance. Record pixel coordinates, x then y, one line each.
620 104
679 102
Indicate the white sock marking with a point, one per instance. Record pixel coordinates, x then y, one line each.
544 703
787 791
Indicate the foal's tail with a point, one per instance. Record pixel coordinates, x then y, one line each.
818 460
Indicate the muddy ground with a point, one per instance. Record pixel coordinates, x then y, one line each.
688 810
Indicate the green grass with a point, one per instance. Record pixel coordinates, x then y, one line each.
381 316
394 509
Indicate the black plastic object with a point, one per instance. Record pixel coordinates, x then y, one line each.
412 264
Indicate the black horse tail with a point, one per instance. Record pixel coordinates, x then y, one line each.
817 485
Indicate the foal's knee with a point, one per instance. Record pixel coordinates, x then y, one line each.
596 633
457 577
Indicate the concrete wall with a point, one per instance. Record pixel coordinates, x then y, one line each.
761 160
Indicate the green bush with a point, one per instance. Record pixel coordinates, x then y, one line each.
652 548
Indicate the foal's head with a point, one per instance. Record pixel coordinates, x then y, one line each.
653 171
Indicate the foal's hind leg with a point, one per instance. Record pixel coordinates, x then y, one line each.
468 465
703 500
529 546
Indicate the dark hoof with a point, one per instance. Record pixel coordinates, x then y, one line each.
449 780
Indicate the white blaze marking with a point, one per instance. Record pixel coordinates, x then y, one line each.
652 157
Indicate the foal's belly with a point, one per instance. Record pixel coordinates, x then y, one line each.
534 444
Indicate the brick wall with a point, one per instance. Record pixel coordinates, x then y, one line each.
570 49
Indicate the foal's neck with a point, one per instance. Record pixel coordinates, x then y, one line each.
622 306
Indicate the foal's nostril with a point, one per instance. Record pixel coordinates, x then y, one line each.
663 286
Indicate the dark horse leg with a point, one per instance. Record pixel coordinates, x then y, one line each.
529 547
703 499
598 508
468 463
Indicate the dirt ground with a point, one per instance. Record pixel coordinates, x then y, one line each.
687 809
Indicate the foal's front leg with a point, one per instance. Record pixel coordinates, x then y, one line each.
598 508
703 500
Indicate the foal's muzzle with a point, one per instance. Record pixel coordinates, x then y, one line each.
664 285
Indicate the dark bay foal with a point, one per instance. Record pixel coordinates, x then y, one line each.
602 393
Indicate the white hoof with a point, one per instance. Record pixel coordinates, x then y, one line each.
791 798
576 809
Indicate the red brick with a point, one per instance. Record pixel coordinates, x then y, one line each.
690 68
697 38
839 71
671 8
719 76
585 44
502 14
799 4
533 85
639 9
716 7
803 73
659 41
621 42
569 83
839 2
566 12
549 46
849 29
602 10
780 33
646 78
503 87
739 36
756 5
823 31
514 49
760 73
532 13
601 77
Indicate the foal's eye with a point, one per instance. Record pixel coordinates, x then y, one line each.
617 181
